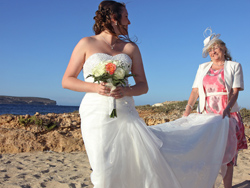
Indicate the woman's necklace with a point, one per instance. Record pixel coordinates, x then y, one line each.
218 65
111 46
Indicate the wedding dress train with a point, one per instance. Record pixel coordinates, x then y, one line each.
125 153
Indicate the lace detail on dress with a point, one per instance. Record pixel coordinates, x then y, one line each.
96 58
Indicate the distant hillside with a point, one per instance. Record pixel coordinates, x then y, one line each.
26 100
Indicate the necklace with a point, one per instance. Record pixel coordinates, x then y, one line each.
219 65
111 46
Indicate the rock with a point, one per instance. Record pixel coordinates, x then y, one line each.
157 104
18 137
37 114
62 143
154 121
18 140
62 132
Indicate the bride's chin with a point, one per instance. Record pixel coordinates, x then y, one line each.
123 30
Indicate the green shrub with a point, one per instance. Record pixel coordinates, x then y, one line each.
245 114
33 120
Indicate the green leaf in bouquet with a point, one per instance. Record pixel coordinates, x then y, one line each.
113 114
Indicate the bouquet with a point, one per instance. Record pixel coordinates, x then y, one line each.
114 73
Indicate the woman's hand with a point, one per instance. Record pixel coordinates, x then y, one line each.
191 101
232 99
226 112
118 93
187 111
102 89
185 114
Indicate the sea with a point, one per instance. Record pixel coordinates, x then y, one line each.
18 109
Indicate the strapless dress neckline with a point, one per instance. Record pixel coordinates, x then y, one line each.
108 55
96 58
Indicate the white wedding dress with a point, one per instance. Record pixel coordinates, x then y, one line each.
124 153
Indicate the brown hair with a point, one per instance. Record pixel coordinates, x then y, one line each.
103 16
222 45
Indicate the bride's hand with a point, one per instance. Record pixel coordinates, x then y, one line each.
118 92
103 90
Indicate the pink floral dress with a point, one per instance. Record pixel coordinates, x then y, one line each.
216 102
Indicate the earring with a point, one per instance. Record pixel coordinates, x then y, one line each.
115 23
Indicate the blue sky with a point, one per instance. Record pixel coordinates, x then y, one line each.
37 38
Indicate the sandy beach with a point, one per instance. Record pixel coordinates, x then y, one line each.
45 169
72 170
33 157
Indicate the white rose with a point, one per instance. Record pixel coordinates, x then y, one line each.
126 67
117 63
119 73
99 70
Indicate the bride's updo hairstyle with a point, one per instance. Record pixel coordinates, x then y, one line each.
102 18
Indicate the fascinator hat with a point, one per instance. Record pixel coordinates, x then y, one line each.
210 38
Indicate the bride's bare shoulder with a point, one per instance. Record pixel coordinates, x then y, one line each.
87 40
132 49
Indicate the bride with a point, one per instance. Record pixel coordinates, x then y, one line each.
123 152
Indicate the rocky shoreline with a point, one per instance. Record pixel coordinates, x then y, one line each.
61 132
17 136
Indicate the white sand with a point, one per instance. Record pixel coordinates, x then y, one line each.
45 169
72 170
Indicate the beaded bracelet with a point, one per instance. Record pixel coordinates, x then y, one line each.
190 106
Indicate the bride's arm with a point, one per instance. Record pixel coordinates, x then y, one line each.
141 85
70 80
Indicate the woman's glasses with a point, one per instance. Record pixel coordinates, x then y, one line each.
213 49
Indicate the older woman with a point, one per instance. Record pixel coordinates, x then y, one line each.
217 85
